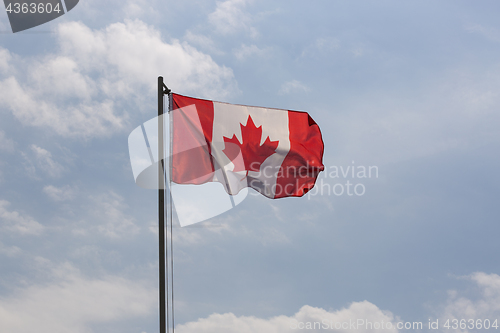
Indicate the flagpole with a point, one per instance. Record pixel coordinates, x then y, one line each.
161 210
164 295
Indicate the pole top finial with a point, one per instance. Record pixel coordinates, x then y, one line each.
166 91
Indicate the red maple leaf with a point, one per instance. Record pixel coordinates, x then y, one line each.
254 154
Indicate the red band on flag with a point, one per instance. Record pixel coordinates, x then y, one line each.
303 162
191 159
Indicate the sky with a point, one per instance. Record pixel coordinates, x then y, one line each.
409 88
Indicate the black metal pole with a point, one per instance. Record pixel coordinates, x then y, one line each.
161 208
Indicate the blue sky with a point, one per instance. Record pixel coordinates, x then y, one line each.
409 87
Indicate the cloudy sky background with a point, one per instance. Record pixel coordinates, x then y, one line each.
410 87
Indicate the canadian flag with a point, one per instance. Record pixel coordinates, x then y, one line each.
276 152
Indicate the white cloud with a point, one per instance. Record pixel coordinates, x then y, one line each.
9 251
139 8
72 303
136 54
59 193
41 159
17 222
107 217
246 51
61 76
6 144
4 59
483 305
45 162
229 17
85 89
292 87
84 118
202 41
307 315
